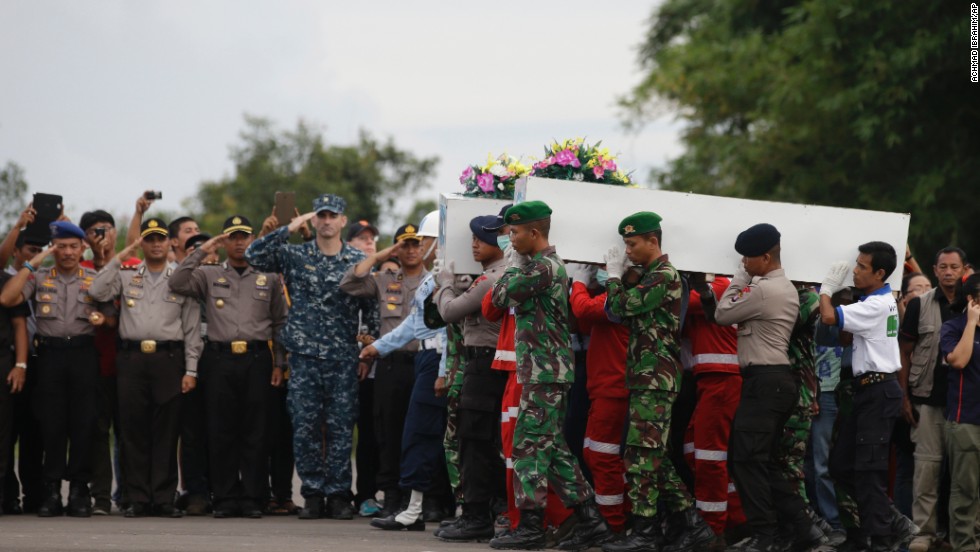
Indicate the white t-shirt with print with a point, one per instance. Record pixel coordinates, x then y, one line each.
874 323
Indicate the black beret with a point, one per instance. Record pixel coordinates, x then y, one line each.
757 240
480 228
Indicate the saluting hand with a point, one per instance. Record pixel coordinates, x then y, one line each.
128 251
212 245
300 221
39 258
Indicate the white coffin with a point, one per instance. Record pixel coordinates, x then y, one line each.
455 237
699 230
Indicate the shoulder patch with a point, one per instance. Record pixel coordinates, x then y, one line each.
741 293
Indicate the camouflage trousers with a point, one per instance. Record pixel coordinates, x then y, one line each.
322 404
791 453
541 456
450 441
650 475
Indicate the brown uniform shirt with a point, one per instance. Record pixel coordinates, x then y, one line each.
467 307
149 310
394 292
765 310
63 302
249 306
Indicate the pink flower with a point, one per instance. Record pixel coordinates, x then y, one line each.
467 174
545 164
598 171
485 182
567 157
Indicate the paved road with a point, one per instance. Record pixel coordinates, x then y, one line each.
206 534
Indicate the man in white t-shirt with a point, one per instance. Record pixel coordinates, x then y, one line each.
859 460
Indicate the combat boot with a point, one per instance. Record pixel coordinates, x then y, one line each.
647 535
591 529
902 529
313 509
475 525
51 505
79 500
694 532
813 537
756 543
529 534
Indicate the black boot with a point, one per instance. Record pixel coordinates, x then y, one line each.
51 505
529 534
475 525
694 534
647 535
591 529
313 509
393 503
812 538
902 529
79 500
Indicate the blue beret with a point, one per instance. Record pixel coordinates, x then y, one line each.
757 240
65 229
479 227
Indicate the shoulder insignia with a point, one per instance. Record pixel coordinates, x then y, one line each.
741 293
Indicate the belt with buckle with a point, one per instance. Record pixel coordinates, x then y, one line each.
873 377
238 347
75 342
149 345
431 344
478 352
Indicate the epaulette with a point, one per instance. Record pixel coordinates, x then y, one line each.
134 267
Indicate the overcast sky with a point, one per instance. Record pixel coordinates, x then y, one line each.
103 99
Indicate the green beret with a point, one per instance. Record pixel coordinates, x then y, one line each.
526 212
639 223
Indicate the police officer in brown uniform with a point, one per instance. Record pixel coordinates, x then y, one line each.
395 374
159 347
67 363
765 305
245 309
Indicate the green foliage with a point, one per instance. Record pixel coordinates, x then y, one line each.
13 194
369 174
863 104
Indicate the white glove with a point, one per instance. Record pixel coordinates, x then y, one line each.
616 262
834 280
463 282
741 277
515 259
446 275
582 273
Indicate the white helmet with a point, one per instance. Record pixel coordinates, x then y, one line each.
429 227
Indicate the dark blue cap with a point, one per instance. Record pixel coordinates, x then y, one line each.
65 229
329 202
479 228
498 221
757 240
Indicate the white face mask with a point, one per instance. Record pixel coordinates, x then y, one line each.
503 242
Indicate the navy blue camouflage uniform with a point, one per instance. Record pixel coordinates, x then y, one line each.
320 337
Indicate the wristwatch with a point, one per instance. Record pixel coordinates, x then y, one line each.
21 365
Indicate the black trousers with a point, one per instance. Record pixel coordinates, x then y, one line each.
26 439
680 416
367 444
6 420
281 461
193 441
481 464
859 459
238 399
65 407
577 413
768 396
107 418
149 416
393 381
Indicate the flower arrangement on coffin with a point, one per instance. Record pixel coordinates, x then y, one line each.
576 160
495 179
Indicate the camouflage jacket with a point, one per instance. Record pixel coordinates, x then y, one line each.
802 352
322 319
538 291
651 311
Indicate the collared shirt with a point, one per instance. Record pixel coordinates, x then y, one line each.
765 309
874 322
239 307
413 327
62 302
963 396
322 320
465 306
149 310
538 291
393 290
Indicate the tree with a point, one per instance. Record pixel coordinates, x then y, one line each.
13 191
835 102
370 175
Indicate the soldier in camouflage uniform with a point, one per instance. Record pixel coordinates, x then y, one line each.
536 285
451 383
320 336
651 311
